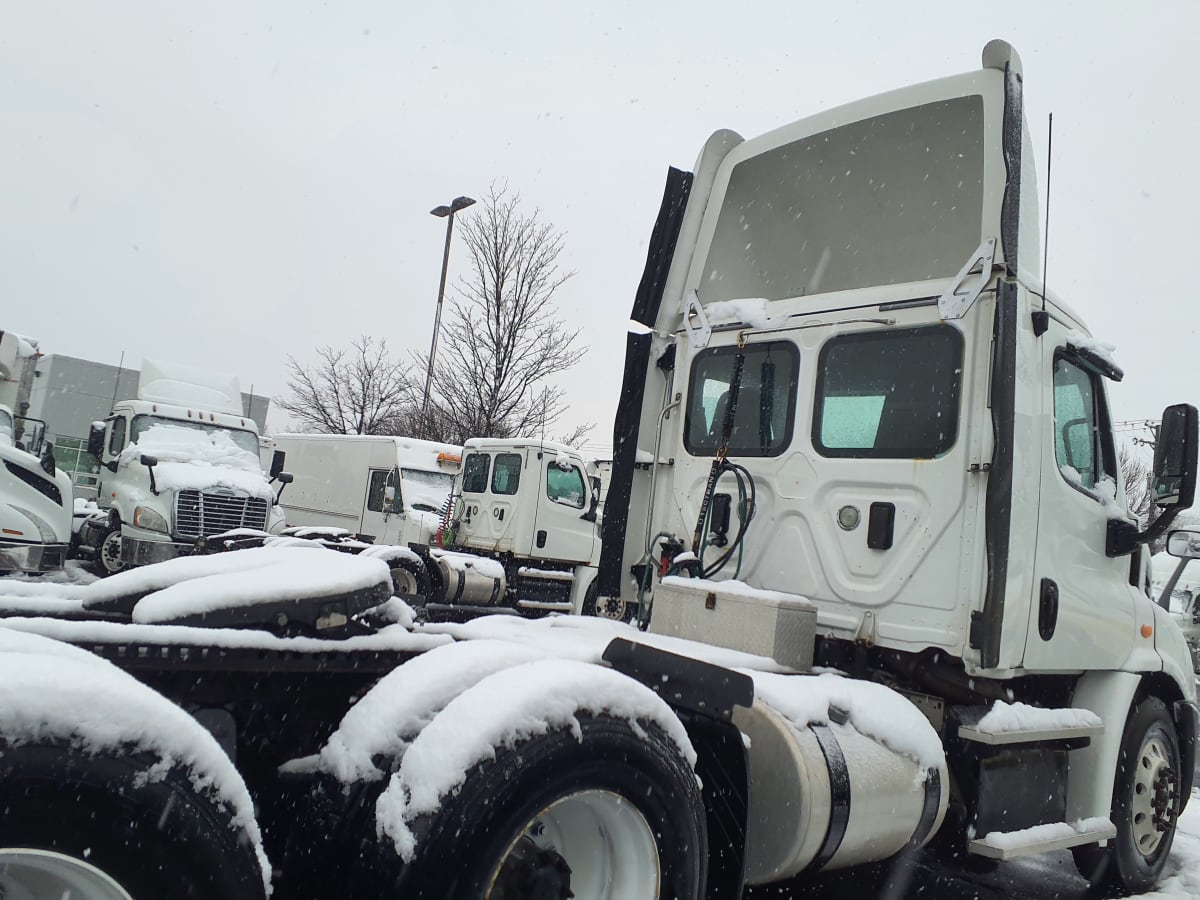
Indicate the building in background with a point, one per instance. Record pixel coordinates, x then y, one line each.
68 394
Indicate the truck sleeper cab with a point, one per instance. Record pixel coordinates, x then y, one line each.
853 392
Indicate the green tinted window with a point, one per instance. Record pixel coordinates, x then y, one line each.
766 400
889 394
507 473
1079 423
475 473
565 486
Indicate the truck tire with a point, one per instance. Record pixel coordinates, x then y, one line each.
1145 790
108 553
612 608
96 826
608 814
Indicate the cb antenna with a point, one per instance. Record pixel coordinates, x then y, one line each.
1046 236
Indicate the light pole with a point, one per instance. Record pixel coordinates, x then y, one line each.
443 212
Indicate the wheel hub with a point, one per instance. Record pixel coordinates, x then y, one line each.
611 608
1153 807
591 845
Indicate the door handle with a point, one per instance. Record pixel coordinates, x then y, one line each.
1048 609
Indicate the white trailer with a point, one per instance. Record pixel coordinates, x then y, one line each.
178 464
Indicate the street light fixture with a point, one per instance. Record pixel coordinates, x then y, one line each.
442 212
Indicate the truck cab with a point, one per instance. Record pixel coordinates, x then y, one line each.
853 391
173 473
528 497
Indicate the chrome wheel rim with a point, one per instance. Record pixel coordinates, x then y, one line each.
596 844
110 552
1152 807
37 874
611 608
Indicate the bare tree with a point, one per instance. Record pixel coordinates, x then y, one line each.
1136 475
504 341
361 391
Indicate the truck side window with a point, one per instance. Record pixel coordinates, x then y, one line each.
116 440
475 473
507 473
889 394
1082 447
375 489
766 403
565 486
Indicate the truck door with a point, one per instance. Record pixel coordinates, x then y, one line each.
491 483
1082 611
383 512
563 498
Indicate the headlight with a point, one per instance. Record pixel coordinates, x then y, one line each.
145 517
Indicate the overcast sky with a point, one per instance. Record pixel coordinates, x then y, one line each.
227 183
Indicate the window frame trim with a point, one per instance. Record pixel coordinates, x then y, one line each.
1103 424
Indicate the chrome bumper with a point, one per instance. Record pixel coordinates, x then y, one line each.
32 557
137 552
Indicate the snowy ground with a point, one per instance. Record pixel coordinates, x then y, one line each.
1040 877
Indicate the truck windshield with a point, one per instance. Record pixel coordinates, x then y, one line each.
425 490
245 440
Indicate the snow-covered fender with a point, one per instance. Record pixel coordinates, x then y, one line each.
502 710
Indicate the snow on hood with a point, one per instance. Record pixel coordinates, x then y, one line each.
51 691
192 459
503 710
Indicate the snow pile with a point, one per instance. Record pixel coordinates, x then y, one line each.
874 710
751 312
562 460
503 710
1040 834
195 458
1006 717
278 574
100 709
403 702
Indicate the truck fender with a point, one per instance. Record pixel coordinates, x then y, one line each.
1093 768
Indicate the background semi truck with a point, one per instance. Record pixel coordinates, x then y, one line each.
515 528
35 497
892 461
177 464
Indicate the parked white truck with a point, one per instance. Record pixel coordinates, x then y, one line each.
35 496
518 530
386 489
177 464
876 447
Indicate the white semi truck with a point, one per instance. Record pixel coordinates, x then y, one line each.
177 464
518 530
35 496
876 447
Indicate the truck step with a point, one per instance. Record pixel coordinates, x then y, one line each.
545 574
1021 724
1042 839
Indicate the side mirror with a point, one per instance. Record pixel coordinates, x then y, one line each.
95 444
49 464
277 459
1175 458
1174 479
285 477
1184 544
150 462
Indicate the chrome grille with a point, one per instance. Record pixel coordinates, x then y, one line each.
202 513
